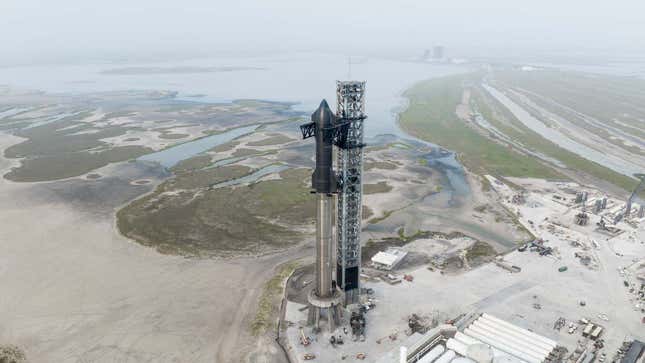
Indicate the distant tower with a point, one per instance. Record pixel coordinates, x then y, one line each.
351 110
437 52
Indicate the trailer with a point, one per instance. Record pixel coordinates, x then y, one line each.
588 329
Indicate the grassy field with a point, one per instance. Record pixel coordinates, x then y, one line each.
219 222
276 139
510 126
431 116
380 187
617 101
265 316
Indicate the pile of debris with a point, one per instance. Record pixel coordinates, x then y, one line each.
587 259
12 354
537 245
559 323
420 324
518 198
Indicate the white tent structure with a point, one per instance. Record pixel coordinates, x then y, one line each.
508 342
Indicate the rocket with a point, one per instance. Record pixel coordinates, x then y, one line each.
325 296
324 179
324 183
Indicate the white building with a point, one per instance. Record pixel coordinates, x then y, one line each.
389 259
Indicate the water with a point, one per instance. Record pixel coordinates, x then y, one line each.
303 78
455 183
13 111
171 156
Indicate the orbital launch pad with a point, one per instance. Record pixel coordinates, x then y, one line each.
345 132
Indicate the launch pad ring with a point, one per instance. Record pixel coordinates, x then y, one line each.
325 302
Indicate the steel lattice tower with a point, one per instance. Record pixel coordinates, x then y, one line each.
350 110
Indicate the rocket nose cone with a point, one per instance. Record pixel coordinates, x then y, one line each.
323 114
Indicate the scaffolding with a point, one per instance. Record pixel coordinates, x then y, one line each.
351 112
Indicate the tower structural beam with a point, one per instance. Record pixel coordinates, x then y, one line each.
350 112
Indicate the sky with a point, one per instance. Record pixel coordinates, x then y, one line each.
32 30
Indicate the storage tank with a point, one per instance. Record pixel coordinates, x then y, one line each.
432 354
446 357
546 340
503 347
493 339
515 334
459 347
512 338
506 359
481 353
462 360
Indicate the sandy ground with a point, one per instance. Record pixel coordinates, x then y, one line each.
510 296
73 290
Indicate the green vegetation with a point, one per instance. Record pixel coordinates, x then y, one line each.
12 354
617 101
245 152
276 139
265 317
431 116
385 216
67 165
190 164
172 136
380 187
385 165
227 146
502 119
205 178
480 250
66 148
222 221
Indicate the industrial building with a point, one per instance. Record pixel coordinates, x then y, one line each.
388 259
484 339
635 353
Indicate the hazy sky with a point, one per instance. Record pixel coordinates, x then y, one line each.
34 29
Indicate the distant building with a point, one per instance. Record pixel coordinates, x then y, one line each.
389 259
437 52
486 339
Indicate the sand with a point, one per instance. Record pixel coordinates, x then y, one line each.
73 290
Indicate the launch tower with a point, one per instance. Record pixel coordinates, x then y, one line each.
350 112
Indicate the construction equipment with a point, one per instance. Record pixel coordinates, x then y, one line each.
357 322
304 340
